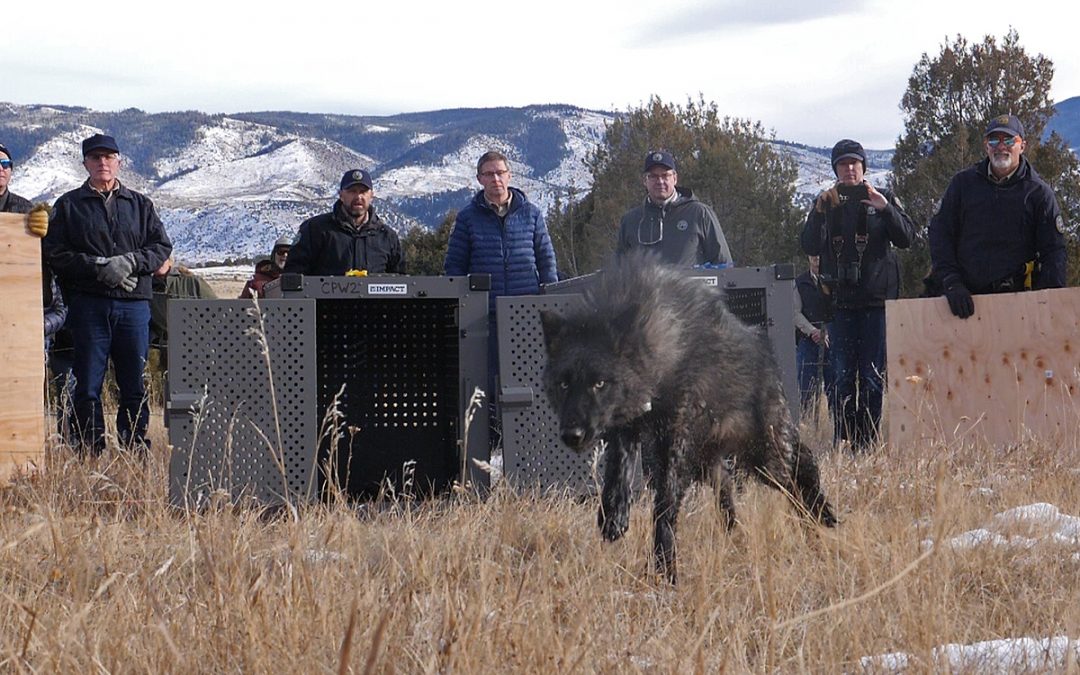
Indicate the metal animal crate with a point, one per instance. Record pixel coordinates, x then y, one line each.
356 382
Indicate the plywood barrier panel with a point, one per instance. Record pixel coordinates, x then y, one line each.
22 348
1007 374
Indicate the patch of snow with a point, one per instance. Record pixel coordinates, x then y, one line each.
1027 655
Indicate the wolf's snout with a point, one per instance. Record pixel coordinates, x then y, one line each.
574 437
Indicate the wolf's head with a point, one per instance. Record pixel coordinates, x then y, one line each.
607 357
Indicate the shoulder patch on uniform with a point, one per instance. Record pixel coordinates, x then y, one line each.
1060 224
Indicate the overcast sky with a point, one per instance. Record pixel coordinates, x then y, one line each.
813 71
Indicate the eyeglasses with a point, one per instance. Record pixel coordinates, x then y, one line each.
101 156
491 174
666 177
5 163
1007 142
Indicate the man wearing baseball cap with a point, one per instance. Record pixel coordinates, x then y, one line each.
999 228
671 221
105 241
350 237
854 228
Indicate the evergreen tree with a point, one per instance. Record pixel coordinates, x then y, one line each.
425 250
948 101
728 163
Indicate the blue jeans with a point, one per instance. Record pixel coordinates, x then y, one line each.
857 343
809 357
102 328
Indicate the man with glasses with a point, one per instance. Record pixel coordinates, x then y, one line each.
999 228
350 237
105 241
500 233
671 221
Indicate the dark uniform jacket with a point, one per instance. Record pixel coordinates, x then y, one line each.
831 234
984 232
684 231
80 231
816 306
13 203
329 245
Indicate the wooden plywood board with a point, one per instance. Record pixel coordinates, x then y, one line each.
1009 373
22 349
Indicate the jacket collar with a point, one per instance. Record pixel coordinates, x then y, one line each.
517 200
1022 172
343 220
87 192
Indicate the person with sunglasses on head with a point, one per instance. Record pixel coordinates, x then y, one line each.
854 227
350 237
671 221
998 228
104 243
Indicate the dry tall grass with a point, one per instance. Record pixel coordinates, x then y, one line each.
99 574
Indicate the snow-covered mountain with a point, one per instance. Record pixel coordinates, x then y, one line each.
228 186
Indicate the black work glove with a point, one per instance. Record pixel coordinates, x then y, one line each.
960 302
112 271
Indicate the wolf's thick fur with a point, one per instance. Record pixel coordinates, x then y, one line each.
655 357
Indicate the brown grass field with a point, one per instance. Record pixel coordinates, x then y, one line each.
99 574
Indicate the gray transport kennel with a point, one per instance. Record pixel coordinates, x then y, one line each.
533 455
353 382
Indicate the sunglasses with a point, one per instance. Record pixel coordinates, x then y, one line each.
1007 142
5 163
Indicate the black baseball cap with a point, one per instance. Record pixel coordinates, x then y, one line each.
660 158
3 149
1009 124
355 176
99 142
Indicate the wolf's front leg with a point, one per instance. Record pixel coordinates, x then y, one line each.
668 491
614 514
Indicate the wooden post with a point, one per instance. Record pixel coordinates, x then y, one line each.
1007 374
22 349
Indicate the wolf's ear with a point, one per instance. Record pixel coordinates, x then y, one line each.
552 323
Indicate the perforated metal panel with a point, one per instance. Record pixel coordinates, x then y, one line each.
230 429
533 455
392 365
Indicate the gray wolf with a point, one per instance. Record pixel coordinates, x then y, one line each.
654 358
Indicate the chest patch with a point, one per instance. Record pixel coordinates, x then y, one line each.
682 225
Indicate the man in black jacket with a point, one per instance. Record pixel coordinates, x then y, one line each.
104 243
853 227
999 228
351 237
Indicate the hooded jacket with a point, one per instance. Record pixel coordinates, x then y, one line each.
685 231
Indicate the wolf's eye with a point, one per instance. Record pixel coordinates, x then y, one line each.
599 384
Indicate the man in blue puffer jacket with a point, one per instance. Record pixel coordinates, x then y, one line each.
502 234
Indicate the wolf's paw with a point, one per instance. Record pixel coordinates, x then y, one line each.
613 525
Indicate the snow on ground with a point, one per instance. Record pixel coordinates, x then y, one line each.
1023 528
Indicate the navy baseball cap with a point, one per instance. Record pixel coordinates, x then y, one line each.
99 142
659 158
355 176
1009 124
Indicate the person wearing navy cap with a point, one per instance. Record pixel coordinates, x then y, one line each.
854 227
350 237
999 228
671 221
104 243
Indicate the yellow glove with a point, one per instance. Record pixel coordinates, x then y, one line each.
827 199
37 223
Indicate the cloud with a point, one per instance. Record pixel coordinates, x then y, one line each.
710 17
